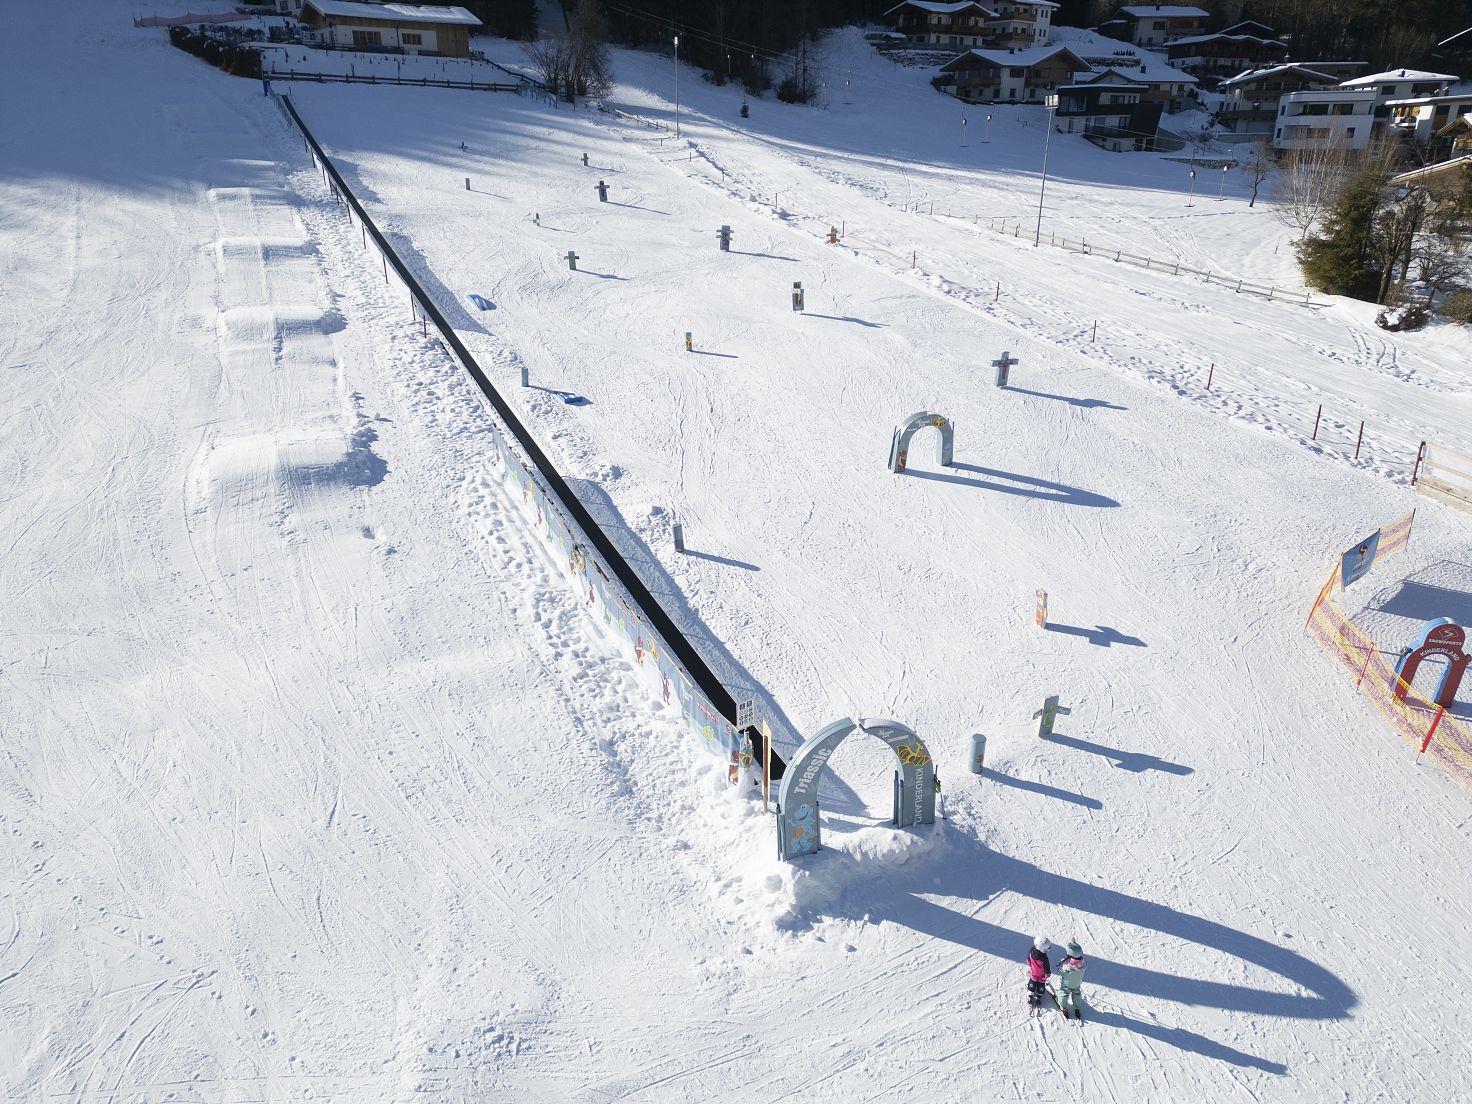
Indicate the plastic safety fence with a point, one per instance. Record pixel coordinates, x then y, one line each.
1446 476
603 577
1444 740
1395 536
602 598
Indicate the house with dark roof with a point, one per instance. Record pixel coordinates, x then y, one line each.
1339 70
1250 100
1224 55
1250 27
1154 24
1445 177
999 24
400 28
1020 23
1161 84
933 23
1010 76
1110 112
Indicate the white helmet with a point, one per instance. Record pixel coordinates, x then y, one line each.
1043 943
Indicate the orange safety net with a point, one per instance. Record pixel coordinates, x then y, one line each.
1445 740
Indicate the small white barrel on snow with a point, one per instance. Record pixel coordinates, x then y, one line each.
978 752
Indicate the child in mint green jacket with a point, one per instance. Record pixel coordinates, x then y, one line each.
1071 981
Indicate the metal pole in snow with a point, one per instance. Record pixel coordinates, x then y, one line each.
1426 743
1037 237
1317 415
1369 652
1209 373
1359 439
1420 453
1095 336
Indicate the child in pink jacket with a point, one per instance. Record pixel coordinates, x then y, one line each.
1038 970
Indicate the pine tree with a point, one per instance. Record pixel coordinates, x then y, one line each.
1340 259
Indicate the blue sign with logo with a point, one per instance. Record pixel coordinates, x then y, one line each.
1356 562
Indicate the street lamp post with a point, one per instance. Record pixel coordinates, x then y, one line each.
987 137
1222 191
963 130
1052 102
1192 195
677 86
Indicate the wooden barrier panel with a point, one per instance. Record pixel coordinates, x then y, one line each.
1446 476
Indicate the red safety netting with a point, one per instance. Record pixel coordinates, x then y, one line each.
1444 740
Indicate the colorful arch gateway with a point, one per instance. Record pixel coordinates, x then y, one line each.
1443 637
899 445
798 831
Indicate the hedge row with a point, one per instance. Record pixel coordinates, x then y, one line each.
241 61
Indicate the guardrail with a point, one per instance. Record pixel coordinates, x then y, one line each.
699 673
1174 268
423 82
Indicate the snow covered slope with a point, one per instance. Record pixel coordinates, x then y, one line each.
318 786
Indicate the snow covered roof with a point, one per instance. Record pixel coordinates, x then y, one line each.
1399 75
1420 101
940 8
1085 83
1194 40
1033 55
1258 74
1142 76
1166 75
1463 162
1233 29
1167 11
396 13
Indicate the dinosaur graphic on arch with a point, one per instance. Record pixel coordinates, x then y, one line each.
798 831
899 445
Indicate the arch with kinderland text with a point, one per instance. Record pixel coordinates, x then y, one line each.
899 445
798 830
1444 638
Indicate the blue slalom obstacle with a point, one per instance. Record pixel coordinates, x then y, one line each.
481 302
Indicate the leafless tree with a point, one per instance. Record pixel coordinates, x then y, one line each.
1397 228
1441 250
549 58
589 72
1306 187
1259 167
